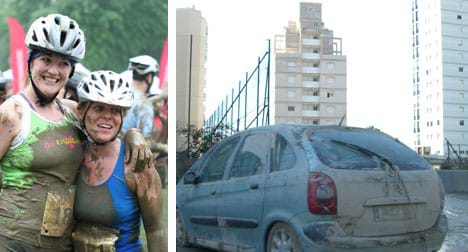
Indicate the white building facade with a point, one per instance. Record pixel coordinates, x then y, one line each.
310 78
440 76
191 56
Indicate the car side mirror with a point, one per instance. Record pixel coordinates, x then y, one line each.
190 178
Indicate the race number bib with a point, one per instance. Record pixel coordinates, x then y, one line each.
58 213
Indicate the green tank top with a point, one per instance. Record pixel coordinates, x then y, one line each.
44 155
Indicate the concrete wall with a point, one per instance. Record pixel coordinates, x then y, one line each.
454 181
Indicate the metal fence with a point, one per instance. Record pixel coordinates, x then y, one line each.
248 104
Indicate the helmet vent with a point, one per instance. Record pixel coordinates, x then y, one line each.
111 83
120 83
34 37
86 88
57 20
76 43
103 78
63 36
46 34
72 25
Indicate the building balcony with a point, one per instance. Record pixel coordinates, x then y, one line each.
311 56
314 70
311 84
315 99
311 42
310 113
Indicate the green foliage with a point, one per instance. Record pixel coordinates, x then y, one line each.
115 30
201 140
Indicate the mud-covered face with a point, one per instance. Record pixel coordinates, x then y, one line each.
102 121
50 73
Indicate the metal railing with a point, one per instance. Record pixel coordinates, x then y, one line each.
248 105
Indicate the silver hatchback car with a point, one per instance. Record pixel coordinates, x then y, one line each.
303 188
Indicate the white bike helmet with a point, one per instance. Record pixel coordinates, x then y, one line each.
106 87
143 64
59 34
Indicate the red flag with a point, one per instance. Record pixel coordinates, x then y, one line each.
163 66
163 72
18 54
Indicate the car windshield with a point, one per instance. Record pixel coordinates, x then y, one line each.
359 149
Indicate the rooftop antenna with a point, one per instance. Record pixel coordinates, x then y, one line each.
342 119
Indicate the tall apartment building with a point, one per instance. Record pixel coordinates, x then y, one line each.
440 76
310 72
191 39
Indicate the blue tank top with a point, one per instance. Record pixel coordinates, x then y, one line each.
111 204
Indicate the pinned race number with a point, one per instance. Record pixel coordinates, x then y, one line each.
58 213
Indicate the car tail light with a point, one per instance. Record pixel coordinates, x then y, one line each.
321 195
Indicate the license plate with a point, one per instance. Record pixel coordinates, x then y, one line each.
393 213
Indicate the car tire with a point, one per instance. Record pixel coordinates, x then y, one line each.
282 238
181 236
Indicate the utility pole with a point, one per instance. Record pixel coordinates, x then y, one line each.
189 98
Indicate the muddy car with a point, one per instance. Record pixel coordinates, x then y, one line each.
300 188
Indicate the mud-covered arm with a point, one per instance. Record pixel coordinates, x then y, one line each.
147 186
137 152
11 114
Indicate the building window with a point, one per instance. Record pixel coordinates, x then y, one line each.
329 94
290 108
459 16
462 108
316 51
315 79
291 65
291 79
316 37
460 43
460 69
315 65
315 108
315 93
462 122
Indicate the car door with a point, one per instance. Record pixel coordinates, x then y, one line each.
201 197
241 200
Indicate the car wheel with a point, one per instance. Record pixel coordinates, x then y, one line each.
282 238
181 236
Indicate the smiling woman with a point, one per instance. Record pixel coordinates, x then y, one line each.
124 197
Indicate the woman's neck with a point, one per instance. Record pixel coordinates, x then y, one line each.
104 150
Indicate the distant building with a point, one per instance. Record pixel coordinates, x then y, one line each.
440 76
191 32
310 72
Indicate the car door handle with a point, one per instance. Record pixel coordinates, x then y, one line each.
254 186
213 193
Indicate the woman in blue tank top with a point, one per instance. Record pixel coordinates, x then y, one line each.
111 198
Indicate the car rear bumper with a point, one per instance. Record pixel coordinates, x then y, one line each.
328 235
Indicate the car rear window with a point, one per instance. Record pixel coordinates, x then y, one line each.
363 149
